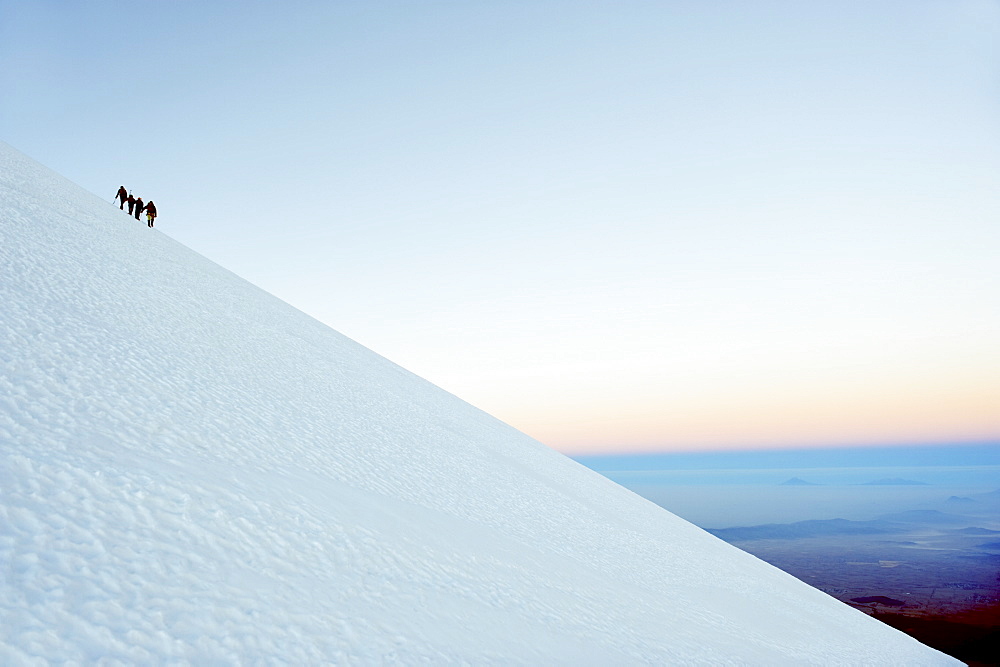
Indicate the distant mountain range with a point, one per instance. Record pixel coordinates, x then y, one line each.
887 524
803 529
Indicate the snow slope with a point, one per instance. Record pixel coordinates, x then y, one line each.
192 470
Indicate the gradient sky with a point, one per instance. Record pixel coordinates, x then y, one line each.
617 226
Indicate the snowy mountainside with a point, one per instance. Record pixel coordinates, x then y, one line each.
192 470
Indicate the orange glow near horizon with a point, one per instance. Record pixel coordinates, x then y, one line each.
801 417
771 379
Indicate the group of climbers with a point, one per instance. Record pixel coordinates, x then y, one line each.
136 205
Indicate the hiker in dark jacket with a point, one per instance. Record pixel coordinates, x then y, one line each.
131 203
138 207
150 213
123 195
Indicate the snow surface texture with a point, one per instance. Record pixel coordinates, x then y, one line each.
193 471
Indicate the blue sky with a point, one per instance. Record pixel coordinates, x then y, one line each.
614 225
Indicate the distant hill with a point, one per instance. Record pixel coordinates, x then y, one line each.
886 524
894 481
930 517
804 529
796 481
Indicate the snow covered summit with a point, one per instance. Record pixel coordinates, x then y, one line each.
192 470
